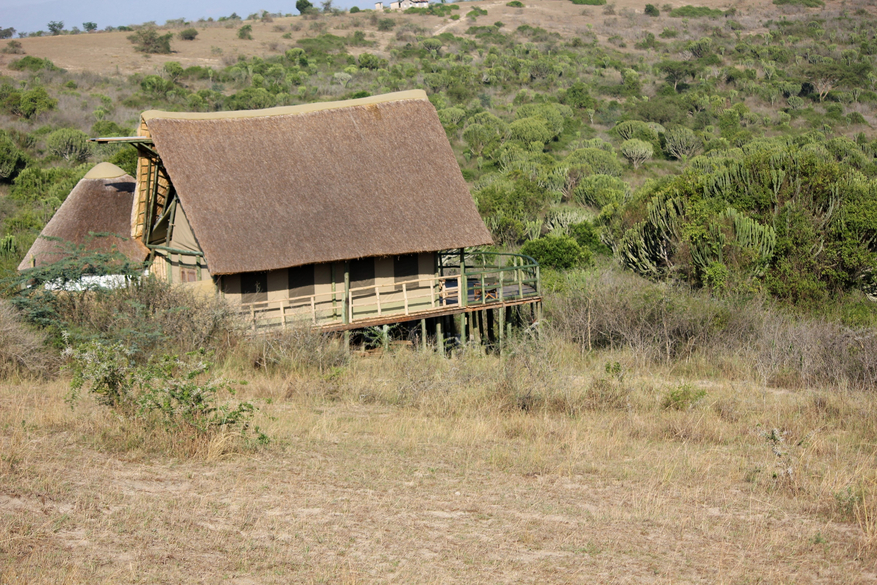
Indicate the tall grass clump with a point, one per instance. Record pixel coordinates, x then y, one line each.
667 323
22 349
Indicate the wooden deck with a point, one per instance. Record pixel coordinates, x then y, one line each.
488 286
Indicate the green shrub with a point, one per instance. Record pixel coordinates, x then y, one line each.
652 10
33 64
589 2
805 3
170 390
147 40
689 11
246 32
12 159
683 397
515 4
188 34
561 252
601 190
386 24
354 10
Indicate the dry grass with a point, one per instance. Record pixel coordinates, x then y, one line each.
541 466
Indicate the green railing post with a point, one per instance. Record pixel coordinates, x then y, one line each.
463 284
345 301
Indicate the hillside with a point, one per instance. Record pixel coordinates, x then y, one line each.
698 405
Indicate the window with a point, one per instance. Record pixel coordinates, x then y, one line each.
301 281
362 272
254 287
188 275
405 269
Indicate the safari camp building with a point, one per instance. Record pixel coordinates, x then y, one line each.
100 203
320 212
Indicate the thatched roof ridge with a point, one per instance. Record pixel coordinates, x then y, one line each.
95 205
356 179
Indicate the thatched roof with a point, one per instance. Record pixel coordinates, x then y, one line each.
100 203
285 187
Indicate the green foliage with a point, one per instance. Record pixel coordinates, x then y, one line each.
125 159
589 2
681 143
147 40
598 191
176 391
55 27
805 3
689 11
246 32
303 6
598 160
354 10
560 252
89 26
188 34
636 151
32 64
651 10
69 144
515 4
683 397
386 24
12 159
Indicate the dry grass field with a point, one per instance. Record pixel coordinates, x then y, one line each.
538 467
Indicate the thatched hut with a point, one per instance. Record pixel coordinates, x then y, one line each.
338 211
99 204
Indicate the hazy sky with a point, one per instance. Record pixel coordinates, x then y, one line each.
34 15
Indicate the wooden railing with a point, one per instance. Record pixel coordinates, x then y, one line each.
516 279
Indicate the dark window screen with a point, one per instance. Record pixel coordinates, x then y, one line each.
301 281
362 272
405 268
254 287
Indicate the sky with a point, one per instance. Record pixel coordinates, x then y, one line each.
34 15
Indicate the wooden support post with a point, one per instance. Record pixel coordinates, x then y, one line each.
405 296
461 328
501 327
491 336
378 297
439 336
198 268
423 337
385 338
314 309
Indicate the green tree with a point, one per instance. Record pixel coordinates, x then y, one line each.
89 26
147 40
303 6
56 27
681 143
69 144
188 34
636 151
652 10
246 32
12 159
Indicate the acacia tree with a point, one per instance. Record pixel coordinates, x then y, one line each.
56 27
827 76
89 26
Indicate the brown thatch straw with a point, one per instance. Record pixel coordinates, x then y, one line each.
100 202
300 186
